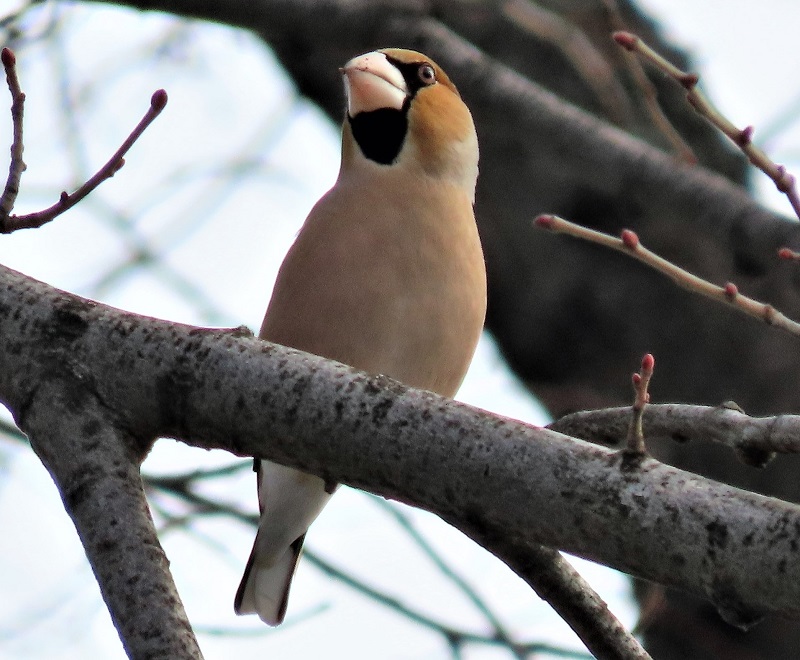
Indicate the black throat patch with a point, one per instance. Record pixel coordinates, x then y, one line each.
380 133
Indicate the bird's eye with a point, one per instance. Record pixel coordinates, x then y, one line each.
426 74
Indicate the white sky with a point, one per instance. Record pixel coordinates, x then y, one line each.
221 109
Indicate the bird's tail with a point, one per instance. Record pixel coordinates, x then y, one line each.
264 589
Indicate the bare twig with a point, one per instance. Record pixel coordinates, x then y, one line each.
641 381
183 487
17 166
629 243
556 581
11 223
743 138
788 254
648 94
404 521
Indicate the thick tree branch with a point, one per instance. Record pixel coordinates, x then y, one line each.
508 485
95 465
157 390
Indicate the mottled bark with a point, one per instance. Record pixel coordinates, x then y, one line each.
509 485
572 319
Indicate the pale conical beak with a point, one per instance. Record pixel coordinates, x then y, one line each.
372 82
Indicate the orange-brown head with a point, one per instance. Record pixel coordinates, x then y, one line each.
403 111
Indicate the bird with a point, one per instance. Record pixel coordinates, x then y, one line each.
386 275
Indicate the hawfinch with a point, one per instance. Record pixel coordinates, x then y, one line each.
386 275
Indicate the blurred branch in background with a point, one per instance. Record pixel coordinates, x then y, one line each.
12 222
178 504
184 488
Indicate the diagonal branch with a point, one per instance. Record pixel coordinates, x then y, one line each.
67 200
648 94
557 582
95 466
460 637
501 634
629 244
508 485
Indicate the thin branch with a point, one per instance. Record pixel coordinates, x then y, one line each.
11 432
648 94
500 632
741 137
788 254
545 570
629 244
198 475
17 166
457 637
260 630
559 584
11 223
460 637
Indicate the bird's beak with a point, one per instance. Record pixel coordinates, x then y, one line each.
372 82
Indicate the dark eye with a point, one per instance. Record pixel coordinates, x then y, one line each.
426 74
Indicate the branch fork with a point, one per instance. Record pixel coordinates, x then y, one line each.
10 223
742 138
